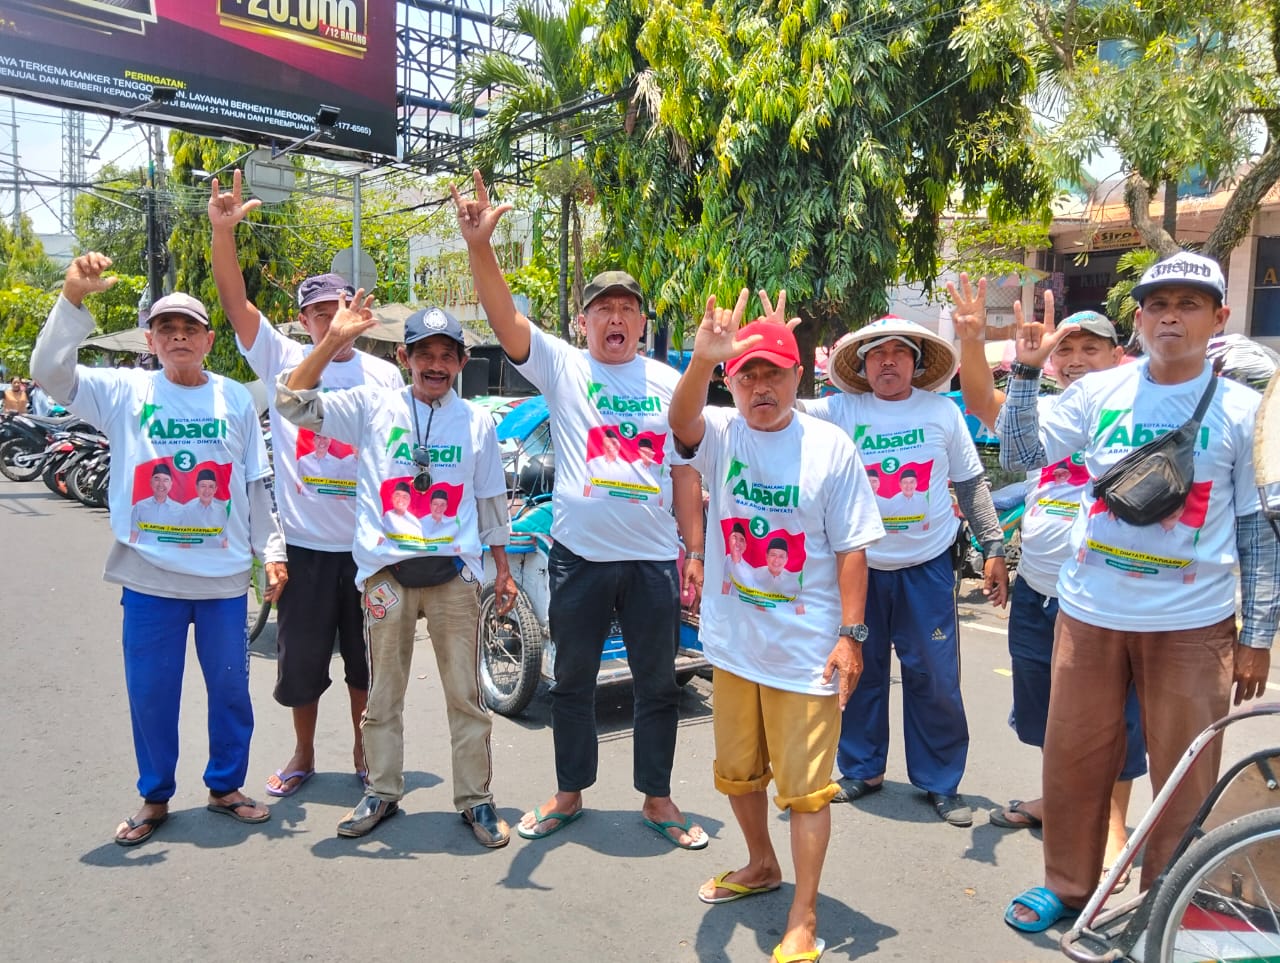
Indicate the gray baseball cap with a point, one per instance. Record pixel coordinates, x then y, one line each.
607 281
323 287
179 303
1091 322
1186 268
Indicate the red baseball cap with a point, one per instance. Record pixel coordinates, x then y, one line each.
777 345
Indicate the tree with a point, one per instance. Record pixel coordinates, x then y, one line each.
28 288
1177 89
110 217
522 92
811 146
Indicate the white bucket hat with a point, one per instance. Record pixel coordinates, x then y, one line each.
936 357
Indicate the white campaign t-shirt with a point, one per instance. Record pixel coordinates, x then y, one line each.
1178 573
1052 504
608 510
465 465
315 497
791 500
162 437
911 449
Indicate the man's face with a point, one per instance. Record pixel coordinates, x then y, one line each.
1176 323
434 364
646 454
160 485
888 369
180 342
1062 474
873 478
908 485
438 506
1078 354
317 317
205 489
737 545
613 324
322 445
1170 521
764 394
776 559
611 446
400 500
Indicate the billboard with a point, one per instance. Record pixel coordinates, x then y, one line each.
257 67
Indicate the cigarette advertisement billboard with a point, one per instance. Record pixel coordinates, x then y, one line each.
261 67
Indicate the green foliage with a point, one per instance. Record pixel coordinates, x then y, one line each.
22 257
808 146
111 218
1129 268
984 249
23 309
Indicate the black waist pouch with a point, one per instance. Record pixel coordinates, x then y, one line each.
426 572
1153 481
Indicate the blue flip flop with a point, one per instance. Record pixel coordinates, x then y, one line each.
1045 904
561 821
302 775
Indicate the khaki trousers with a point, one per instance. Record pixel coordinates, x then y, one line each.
391 613
1183 679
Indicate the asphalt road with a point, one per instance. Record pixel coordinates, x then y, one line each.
898 885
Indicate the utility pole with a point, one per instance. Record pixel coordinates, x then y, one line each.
155 229
17 171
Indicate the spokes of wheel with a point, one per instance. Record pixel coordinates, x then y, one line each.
510 653
1221 900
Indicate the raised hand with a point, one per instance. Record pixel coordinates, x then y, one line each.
717 338
776 315
1034 341
352 319
227 209
969 311
476 216
84 276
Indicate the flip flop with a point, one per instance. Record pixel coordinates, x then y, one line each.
154 823
1121 884
302 775
685 827
806 957
1001 817
561 821
232 810
736 890
1045 904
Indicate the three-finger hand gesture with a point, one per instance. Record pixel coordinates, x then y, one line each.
226 208
776 315
476 216
969 311
717 338
352 319
84 276
1034 341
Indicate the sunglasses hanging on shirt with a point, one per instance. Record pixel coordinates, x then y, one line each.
421 453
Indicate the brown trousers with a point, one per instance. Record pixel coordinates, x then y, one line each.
1183 680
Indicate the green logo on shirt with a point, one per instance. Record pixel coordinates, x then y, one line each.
1120 436
866 441
774 496
188 428
400 447
621 404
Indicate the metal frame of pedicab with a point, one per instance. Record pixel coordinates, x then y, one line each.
516 650
1250 790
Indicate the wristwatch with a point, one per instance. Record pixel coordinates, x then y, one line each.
1025 372
857 632
696 556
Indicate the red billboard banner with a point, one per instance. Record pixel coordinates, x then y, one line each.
261 67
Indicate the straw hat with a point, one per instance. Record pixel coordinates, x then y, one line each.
937 358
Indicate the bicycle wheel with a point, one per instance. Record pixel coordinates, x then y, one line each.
1221 900
510 653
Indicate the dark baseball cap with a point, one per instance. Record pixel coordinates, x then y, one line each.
183 304
323 287
433 321
1091 322
609 281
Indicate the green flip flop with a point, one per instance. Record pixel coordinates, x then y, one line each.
662 829
561 821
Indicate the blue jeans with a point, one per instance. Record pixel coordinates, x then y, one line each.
1032 617
911 611
155 654
584 597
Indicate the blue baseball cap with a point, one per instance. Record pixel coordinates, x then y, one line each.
432 321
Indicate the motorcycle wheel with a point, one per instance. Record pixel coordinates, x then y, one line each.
54 477
12 448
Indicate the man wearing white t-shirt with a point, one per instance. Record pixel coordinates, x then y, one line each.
320 468
319 519
427 430
205 512
1052 502
906 432
398 520
615 545
1179 646
151 514
179 416
782 674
